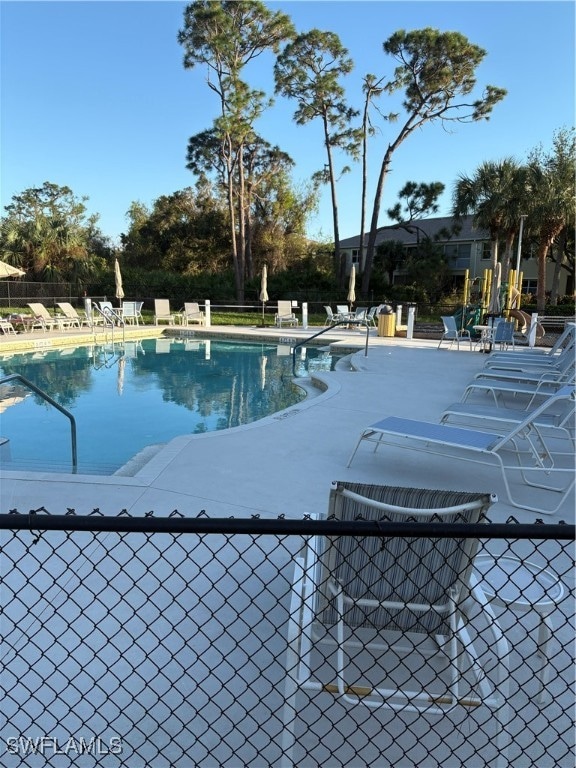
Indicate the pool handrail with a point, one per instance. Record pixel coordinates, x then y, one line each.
48 399
111 318
325 330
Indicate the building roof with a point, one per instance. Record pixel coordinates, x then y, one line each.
423 227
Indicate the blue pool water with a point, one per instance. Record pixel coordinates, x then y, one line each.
131 395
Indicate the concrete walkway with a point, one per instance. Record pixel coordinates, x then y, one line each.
284 464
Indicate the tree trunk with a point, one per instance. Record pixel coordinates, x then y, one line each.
542 255
493 254
227 155
371 245
336 262
554 288
241 222
545 243
507 258
364 180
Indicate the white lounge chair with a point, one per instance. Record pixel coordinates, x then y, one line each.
566 339
71 313
285 315
560 371
395 622
531 363
521 450
46 321
454 334
192 313
162 313
522 395
558 416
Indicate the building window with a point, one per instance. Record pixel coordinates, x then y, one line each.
530 286
458 255
486 252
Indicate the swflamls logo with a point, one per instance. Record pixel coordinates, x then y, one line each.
52 745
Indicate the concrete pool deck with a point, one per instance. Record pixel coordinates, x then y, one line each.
285 463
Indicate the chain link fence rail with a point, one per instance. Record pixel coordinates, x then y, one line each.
163 641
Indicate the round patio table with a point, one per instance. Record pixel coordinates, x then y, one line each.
523 586
485 341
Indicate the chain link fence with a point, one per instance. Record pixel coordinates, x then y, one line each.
15 293
164 641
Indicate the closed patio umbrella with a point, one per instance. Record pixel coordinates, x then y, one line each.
264 290
352 287
118 278
495 305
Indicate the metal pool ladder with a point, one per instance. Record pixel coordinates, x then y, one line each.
45 396
326 330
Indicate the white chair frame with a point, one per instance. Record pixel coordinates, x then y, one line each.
522 450
454 334
330 582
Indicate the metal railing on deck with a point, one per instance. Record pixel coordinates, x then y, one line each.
326 330
48 399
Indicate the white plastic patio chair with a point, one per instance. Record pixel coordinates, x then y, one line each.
503 335
132 312
285 315
522 450
395 621
331 317
108 314
343 312
371 316
454 334
6 326
162 313
192 313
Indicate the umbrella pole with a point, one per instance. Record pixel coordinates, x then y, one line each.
263 324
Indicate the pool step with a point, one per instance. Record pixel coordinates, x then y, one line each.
136 463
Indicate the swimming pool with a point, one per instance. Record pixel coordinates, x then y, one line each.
128 396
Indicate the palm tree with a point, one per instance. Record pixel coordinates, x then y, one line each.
494 196
552 192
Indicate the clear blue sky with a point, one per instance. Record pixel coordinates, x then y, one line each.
94 96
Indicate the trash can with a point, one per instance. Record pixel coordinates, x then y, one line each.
386 325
